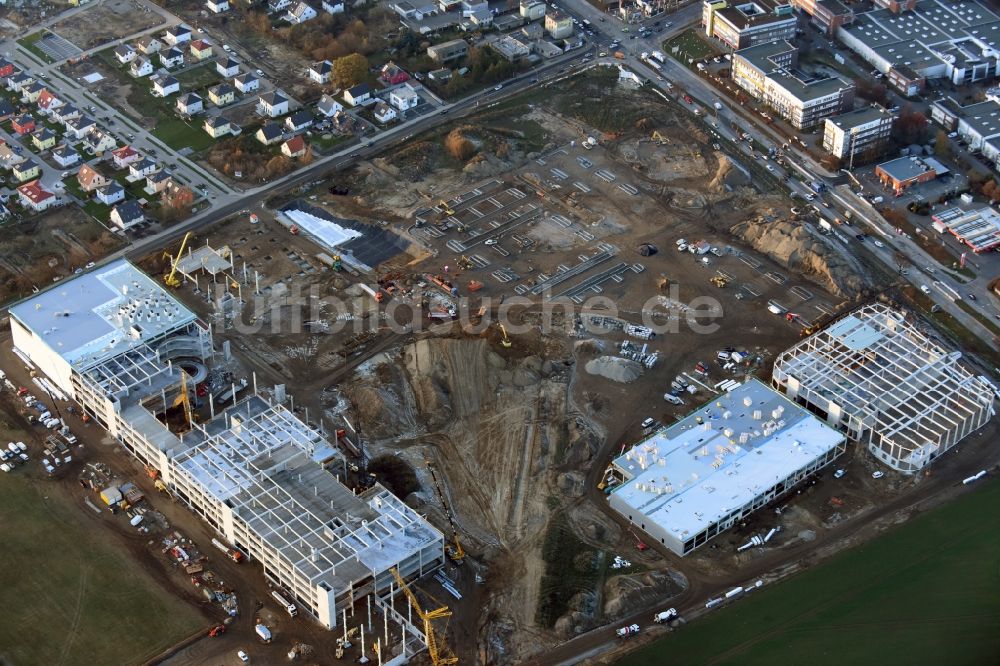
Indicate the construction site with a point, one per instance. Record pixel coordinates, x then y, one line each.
409 390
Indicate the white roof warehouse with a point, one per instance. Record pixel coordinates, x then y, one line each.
692 481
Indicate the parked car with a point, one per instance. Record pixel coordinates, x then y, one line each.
877 475
244 657
839 473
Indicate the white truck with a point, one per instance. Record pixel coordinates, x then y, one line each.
656 55
263 633
284 603
630 630
665 616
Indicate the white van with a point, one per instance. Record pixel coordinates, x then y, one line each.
672 399
648 423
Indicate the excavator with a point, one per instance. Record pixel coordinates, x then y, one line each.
719 281
171 279
505 341
443 205
440 653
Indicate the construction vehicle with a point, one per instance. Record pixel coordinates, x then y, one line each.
294 230
171 279
659 138
454 552
465 263
440 655
474 285
443 205
217 630
232 553
443 284
505 341
719 281
640 545
184 400
664 283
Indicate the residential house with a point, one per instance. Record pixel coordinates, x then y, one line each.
269 134
278 5
99 141
26 170
111 193
227 67
8 156
32 92
384 113
140 169
90 179
122 157
32 195
201 50
164 86
141 67
64 113
320 72
440 75
189 104
333 6
157 182
392 74
358 95
7 109
127 215
558 24
23 124
217 6
294 147
171 58
328 106
126 53
298 121
272 105
48 102
6 68
149 45
300 13
79 128
246 83
222 94
19 81
404 97
216 127
178 34
44 139
65 156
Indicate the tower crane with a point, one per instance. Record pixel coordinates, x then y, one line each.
171 278
454 552
441 655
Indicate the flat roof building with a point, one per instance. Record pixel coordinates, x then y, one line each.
935 39
904 172
877 377
827 15
978 124
694 480
858 136
263 479
767 72
979 229
448 51
743 24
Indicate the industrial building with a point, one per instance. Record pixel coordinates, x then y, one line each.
767 72
692 481
827 15
978 124
130 354
979 229
743 24
933 38
904 172
859 135
877 377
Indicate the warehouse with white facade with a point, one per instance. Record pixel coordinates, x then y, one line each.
113 340
877 377
692 481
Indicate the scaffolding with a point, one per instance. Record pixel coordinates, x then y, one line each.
876 376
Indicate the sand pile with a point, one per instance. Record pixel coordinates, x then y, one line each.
615 368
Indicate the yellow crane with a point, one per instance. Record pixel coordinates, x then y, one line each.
441 655
184 399
505 341
443 205
171 279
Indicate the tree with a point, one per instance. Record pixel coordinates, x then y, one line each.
458 146
942 144
871 91
350 70
910 127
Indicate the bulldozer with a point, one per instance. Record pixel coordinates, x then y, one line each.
719 281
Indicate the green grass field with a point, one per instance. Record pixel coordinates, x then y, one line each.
690 47
70 595
925 593
31 43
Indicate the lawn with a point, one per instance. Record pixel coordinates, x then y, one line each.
70 595
690 47
31 43
925 593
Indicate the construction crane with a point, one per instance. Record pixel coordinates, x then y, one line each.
505 341
184 399
454 552
440 655
171 279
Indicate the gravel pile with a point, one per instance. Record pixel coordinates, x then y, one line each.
615 368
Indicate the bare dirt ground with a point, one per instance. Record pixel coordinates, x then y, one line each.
19 15
50 246
110 19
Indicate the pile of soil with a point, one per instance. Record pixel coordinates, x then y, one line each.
615 368
792 245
